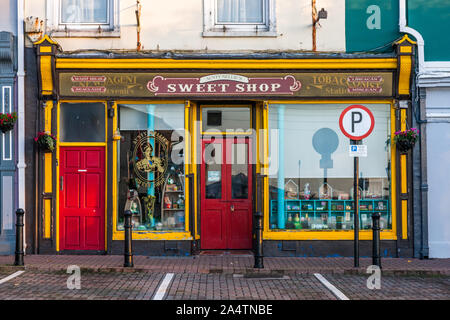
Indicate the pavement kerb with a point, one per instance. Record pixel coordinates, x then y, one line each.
251 272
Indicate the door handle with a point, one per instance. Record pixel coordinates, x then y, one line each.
232 208
61 183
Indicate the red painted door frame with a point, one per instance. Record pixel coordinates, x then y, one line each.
226 223
82 198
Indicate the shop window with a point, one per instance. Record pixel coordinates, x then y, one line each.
151 166
239 18
82 122
85 18
223 119
311 172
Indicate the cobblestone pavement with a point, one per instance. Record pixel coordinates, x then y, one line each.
46 285
393 288
230 263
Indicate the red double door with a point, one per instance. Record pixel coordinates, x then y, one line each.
226 194
82 198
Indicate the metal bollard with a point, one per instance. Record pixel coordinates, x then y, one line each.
18 261
259 258
128 254
376 257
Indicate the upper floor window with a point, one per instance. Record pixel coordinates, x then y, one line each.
84 11
83 18
239 18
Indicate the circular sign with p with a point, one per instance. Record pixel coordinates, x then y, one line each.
356 122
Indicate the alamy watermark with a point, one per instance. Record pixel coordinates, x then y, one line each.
374 281
74 280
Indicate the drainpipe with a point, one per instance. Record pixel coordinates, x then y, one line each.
404 28
422 127
21 165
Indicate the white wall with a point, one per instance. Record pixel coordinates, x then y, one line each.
178 25
8 16
438 164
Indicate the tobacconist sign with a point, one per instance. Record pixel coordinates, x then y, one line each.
225 84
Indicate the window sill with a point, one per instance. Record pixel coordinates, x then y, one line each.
86 34
237 33
325 235
154 235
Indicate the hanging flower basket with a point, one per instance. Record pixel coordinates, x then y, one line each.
405 140
7 121
45 141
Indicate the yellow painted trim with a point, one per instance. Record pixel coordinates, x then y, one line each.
73 63
403 119
82 144
45 38
57 176
404 188
265 166
334 234
404 179
154 235
325 235
114 163
48 177
405 38
393 190
186 165
106 176
405 49
48 172
46 75
194 137
404 219
405 74
47 218
45 49
258 138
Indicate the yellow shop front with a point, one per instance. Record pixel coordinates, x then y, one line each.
194 147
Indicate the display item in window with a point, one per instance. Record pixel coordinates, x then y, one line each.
167 202
306 192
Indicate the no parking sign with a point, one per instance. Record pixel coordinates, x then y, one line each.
356 122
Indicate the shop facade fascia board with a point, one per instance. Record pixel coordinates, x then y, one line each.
402 70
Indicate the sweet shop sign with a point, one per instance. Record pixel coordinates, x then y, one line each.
225 84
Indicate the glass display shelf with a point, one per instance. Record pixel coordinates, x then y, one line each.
329 214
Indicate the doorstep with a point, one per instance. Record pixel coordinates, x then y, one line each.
225 253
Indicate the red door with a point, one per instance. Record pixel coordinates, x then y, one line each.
82 198
226 194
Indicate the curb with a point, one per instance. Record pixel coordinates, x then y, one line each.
246 272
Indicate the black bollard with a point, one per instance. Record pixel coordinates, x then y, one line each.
259 258
18 261
376 257
128 254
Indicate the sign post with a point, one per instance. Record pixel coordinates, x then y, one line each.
356 123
